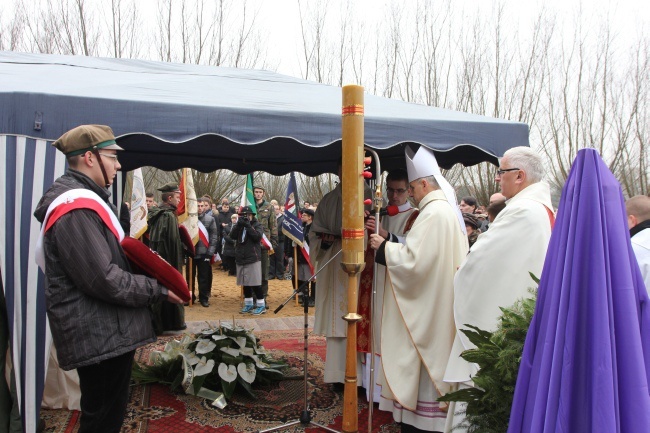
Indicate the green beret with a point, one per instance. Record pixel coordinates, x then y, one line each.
83 138
169 187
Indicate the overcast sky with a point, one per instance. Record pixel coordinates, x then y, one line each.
282 18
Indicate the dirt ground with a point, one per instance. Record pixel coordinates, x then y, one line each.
226 300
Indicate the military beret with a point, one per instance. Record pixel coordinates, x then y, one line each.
246 210
258 187
308 211
86 137
169 187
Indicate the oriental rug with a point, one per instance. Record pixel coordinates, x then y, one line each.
156 409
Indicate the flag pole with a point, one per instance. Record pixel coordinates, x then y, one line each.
352 238
295 270
190 273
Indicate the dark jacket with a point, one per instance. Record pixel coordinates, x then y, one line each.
96 307
228 242
224 217
281 234
305 230
207 251
247 236
164 237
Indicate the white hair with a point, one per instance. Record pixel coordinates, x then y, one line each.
526 159
431 180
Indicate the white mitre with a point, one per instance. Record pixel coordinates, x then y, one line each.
422 163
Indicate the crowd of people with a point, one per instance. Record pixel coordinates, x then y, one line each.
441 264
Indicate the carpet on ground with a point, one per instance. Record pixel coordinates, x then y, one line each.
155 408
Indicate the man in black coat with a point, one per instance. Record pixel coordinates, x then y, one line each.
204 253
276 267
97 309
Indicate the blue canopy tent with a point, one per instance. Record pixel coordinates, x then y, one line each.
178 115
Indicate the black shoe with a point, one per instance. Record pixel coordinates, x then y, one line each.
181 328
271 277
312 303
205 304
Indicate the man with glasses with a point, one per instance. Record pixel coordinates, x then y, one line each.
97 309
418 299
496 271
394 225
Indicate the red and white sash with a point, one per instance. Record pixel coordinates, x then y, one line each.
203 237
71 200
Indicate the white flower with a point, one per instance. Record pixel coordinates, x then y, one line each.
190 357
241 341
205 346
227 372
230 351
186 340
247 371
203 367
248 351
218 337
261 350
258 362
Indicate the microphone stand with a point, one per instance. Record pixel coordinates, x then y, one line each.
305 417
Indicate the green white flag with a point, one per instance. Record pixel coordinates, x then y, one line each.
247 197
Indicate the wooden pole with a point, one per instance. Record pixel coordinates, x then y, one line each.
190 277
295 272
352 237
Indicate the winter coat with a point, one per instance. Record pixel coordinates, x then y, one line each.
97 309
207 251
228 242
247 241
164 237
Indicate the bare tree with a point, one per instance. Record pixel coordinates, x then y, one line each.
124 19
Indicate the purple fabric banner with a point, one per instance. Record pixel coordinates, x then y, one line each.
586 359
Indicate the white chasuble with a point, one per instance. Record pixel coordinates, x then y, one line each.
417 327
496 271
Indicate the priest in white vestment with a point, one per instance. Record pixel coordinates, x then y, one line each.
393 226
638 221
417 328
496 271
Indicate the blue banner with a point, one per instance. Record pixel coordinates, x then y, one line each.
292 223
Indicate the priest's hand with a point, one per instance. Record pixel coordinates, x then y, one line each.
370 226
376 241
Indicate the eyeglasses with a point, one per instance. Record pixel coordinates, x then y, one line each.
504 170
109 155
396 191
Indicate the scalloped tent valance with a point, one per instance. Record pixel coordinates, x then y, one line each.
172 115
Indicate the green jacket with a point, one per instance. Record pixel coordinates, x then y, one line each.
164 237
266 217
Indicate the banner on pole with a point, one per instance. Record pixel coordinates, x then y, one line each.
139 208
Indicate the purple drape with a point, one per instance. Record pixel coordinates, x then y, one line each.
586 360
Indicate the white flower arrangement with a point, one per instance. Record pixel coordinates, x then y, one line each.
190 362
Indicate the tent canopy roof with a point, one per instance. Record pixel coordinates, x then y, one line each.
173 115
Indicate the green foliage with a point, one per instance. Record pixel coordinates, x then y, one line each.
217 359
498 355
